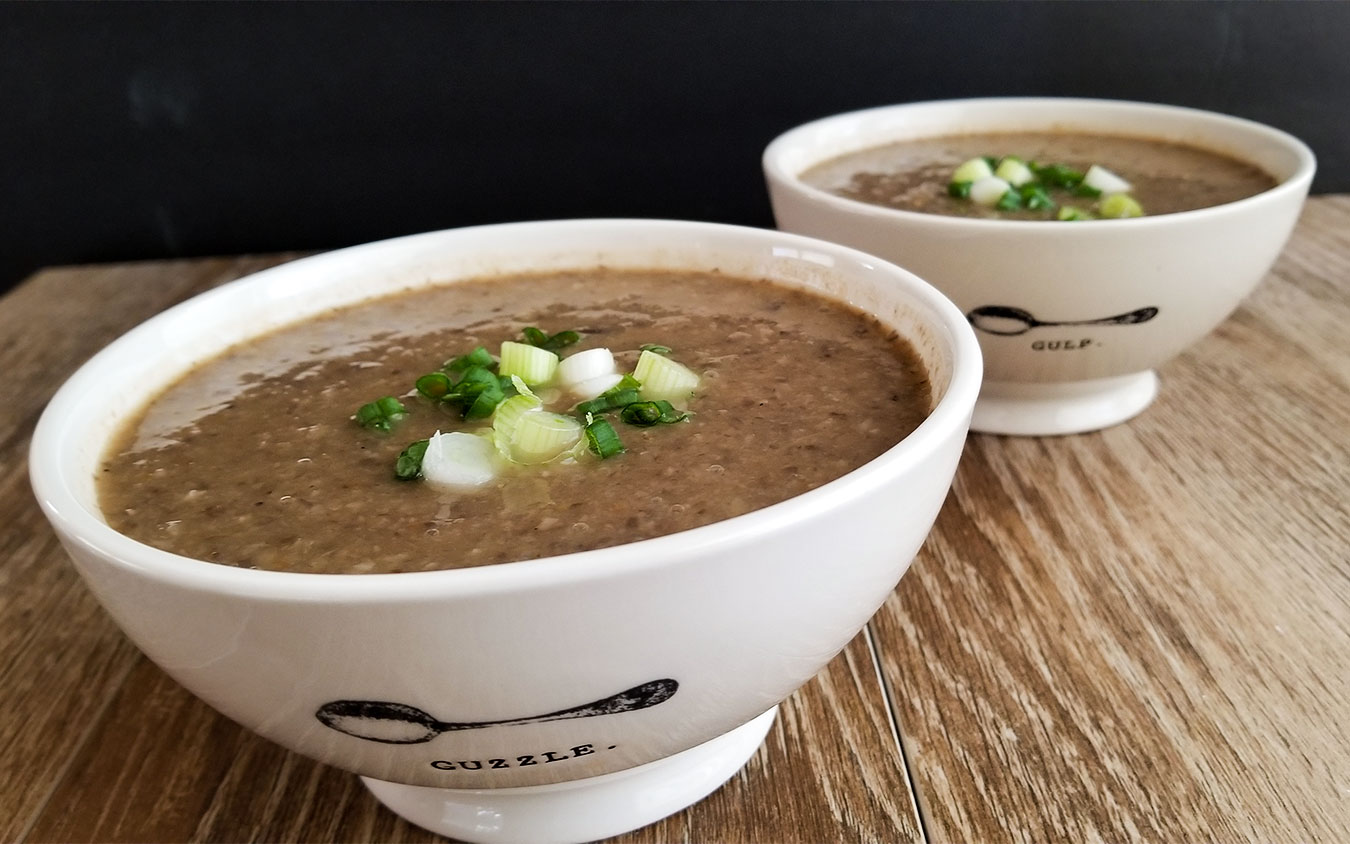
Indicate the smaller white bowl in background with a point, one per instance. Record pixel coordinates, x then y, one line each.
1127 295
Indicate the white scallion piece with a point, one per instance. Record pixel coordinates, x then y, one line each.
989 190
972 171
533 364
663 378
595 386
507 416
1105 181
542 436
1014 171
582 367
459 459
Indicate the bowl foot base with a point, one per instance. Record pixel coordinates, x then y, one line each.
1070 407
580 810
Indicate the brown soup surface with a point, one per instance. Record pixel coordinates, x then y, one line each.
253 459
913 175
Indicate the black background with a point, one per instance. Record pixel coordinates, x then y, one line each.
137 130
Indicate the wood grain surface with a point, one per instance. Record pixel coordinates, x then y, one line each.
1141 634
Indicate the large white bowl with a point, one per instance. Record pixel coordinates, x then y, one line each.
1168 279
692 638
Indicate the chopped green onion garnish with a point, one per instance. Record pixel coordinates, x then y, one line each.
477 392
1014 171
973 170
507 417
478 357
1120 205
485 402
1068 212
434 385
1058 175
989 191
656 347
408 467
1104 180
460 459
669 415
960 190
1035 197
474 380
1086 190
521 388
381 414
663 378
587 373
602 440
607 401
1010 201
642 413
561 340
627 382
646 413
541 436
534 365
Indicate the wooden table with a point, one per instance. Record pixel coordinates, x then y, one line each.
1137 634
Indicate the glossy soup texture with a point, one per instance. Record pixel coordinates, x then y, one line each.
913 175
253 459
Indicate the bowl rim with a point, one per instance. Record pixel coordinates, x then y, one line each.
74 522
1297 182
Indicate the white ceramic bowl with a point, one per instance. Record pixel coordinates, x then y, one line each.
680 645
1176 276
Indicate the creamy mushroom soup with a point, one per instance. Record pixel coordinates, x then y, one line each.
258 458
918 175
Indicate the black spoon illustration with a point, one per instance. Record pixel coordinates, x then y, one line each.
1008 321
399 723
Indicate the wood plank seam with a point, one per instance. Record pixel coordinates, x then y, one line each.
892 718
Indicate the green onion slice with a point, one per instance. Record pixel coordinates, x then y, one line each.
1069 212
627 382
460 459
1035 197
1104 180
607 401
602 440
408 467
656 347
1119 206
485 402
434 385
477 393
973 170
1058 175
663 378
381 414
539 339
1014 171
534 365
507 417
478 357
989 191
541 436
647 413
960 190
1010 201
